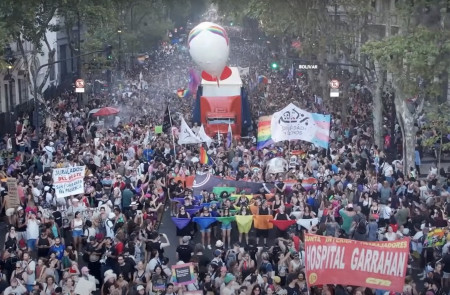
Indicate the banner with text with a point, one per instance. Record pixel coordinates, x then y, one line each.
292 123
13 200
68 181
380 265
183 274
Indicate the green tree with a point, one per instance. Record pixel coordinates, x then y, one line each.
415 58
438 126
326 29
29 21
97 20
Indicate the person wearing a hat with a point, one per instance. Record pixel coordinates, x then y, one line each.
229 286
140 289
131 214
184 251
76 206
347 215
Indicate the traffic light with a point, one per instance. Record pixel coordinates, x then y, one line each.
108 52
274 65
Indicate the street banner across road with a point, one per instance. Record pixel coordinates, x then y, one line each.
68 181
380 265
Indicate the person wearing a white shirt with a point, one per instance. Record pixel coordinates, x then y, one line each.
32 230
30 268
16 288
36 193
76 206
152 264
86 283
385 213
49 150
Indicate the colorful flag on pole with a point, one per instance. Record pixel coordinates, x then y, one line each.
264 133
167 123
229 136
204 158
186 135
291 73
204 137
194 81
182 93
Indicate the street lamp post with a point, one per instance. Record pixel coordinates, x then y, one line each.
35 87
119 66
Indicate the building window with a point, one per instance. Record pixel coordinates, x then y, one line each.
12 91
24 90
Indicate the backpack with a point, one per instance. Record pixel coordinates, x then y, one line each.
231 257
361 228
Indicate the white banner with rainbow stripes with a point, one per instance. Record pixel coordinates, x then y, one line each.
293 123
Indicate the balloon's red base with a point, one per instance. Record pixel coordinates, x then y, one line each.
226 73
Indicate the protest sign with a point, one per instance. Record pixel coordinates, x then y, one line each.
68 181
378 265
183 274
198 292
13 197
158 129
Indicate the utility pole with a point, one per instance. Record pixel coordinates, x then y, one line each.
79 62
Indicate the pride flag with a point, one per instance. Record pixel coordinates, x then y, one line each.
282 224
262 221
264 132
182 93
308 183
194 81
244 223
204 158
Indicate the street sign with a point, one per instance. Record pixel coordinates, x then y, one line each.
334 84
334 92
79 86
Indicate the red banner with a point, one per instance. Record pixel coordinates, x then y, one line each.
380 265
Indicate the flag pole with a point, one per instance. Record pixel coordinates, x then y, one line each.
171 132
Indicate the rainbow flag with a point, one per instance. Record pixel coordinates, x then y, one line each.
204 158
182 93
194 81
264 132
308 183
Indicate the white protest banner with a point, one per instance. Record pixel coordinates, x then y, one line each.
68 181
244 71
292 123
187 136
204 137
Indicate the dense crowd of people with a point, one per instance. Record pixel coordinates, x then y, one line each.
108 240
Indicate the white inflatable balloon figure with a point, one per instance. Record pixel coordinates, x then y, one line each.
209 47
